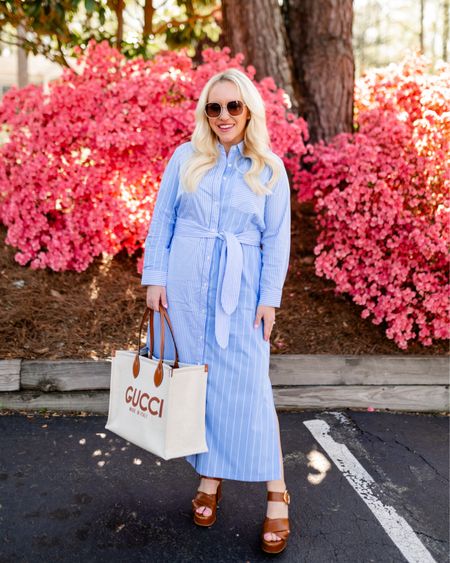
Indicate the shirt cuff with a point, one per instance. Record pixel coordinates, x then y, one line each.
152 277
270 297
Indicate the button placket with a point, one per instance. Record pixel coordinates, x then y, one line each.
213 228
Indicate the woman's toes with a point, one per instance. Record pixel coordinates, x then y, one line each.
204 510
271 537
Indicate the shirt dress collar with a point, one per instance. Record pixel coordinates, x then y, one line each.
239 147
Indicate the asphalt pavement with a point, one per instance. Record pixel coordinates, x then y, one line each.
365 487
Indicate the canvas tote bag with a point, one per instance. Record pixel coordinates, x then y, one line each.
155 404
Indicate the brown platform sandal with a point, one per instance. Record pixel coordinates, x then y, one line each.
278 526
209 500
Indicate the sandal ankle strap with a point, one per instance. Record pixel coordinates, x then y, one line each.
280 497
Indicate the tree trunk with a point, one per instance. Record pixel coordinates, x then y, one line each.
149 12
421 32
120 6
22 61
308 52
320 34
256 29
445 32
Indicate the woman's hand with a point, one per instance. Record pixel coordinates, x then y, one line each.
156 294
266 313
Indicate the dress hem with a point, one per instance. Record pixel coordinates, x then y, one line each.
230 477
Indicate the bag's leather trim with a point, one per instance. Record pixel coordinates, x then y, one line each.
159 371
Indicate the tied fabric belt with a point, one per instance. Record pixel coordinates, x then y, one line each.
230 269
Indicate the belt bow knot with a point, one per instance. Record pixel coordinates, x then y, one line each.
230 270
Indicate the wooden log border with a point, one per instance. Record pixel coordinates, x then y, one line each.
304 381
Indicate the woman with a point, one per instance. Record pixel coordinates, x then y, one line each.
217 254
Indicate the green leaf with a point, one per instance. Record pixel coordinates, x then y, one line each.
89 5
59 11
32 10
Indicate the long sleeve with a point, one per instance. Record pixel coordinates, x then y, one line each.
276 241
157 242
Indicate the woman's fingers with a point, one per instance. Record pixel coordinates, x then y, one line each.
268 324
259 314
154 305
149 298
156 294
267 315
164 297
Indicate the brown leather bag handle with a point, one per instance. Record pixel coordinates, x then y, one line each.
159 372
163 314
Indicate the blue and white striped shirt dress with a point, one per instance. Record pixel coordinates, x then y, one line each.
220 252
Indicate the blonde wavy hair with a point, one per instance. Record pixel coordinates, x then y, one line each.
256 138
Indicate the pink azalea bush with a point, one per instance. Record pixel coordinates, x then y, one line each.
382 198
81 169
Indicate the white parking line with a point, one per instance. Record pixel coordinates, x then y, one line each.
395 526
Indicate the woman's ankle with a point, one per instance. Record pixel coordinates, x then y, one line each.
278 486
208 485
277 510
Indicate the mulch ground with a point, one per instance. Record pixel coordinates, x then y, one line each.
49 315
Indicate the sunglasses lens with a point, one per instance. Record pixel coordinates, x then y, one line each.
235 108
213 109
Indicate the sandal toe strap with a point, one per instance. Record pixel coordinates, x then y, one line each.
204 499
278 526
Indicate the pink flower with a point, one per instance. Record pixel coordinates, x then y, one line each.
383 204
81 170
